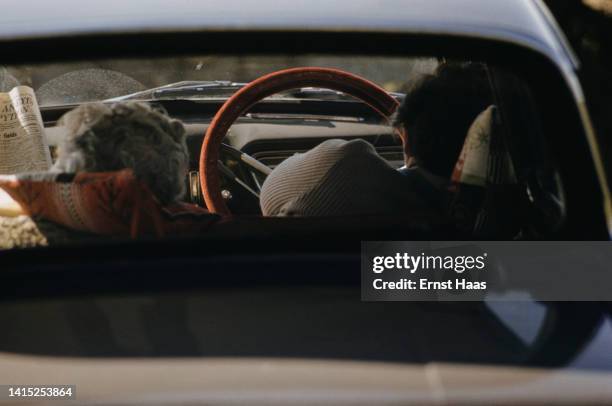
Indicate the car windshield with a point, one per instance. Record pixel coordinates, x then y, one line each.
159 113
187 77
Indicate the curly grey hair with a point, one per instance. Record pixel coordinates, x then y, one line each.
126 135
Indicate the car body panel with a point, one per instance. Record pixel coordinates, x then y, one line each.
519 21
264 381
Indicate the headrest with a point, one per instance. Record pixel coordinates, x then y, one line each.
480 161
109 203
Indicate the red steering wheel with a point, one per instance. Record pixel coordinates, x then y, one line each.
334 79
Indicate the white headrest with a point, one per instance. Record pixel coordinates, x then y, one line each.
471 167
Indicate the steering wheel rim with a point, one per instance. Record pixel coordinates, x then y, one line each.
240 102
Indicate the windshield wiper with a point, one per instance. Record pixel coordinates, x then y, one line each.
225 89
185 89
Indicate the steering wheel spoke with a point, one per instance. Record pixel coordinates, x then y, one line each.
227 172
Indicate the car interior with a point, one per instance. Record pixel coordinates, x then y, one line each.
299 117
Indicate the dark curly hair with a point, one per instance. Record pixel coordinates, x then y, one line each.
438 110
126 135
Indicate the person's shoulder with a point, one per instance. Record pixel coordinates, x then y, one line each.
344 146
337 151
331 153
329 163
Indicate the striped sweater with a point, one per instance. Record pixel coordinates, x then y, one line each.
346 178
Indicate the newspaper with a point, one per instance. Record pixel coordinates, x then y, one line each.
23 145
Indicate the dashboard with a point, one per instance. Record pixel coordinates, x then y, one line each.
270 138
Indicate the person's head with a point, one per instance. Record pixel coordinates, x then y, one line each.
437 112
131 135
